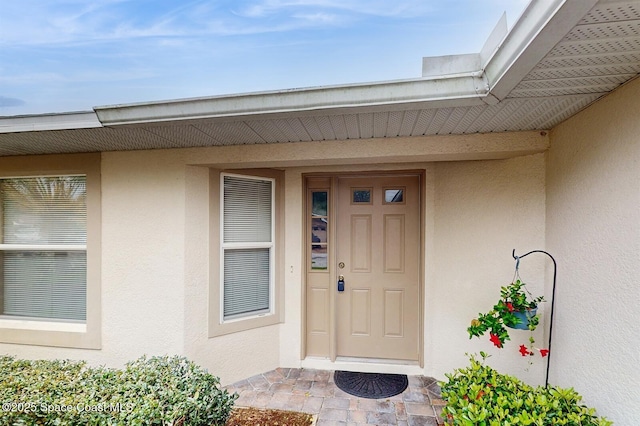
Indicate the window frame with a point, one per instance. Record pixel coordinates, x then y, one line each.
217 325
393 188
224 246
56 332
40 248
309 217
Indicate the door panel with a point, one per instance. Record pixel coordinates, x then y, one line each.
393 313
360 259
360 314
318 319
378 240
393 248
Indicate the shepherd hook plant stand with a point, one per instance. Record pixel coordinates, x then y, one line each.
553 300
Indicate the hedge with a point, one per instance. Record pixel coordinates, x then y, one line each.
480 396
171 391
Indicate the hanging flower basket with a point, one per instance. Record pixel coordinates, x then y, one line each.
524 319
516 309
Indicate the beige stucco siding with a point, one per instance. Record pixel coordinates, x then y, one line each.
233 356
291 329
482 211
593 217
156 233
143 300
142 261
579 201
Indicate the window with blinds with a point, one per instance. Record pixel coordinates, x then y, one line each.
247 246
43 260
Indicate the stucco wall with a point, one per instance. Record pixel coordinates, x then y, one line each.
483 210
155 249
593 217
142 274
155 277
231 357
155 246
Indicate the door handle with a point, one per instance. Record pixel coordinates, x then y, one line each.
341 283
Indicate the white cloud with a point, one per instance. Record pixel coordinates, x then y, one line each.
318 17
110 51
288 15
68 22
360 7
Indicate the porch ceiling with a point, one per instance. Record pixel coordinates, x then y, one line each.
560 57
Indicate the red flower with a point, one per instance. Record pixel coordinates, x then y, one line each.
495 339
509 306
524 351
544 352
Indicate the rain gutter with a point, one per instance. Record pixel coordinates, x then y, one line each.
448 81
44 122
542 25
459 90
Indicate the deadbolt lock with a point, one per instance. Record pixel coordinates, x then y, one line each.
341 265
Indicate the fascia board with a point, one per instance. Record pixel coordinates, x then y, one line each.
437 66
542 25
45 122
457 90
494 40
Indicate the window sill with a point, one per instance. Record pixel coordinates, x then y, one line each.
49 333
43 325
243 324
244 317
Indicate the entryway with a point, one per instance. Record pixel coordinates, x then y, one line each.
314 392
363 293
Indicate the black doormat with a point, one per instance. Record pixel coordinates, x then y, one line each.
371 385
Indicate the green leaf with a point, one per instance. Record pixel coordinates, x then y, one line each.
479 395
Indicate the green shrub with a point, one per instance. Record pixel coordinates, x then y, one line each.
148 391
480 396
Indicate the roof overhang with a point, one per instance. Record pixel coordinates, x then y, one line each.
548 67
542 26
44 122
438 92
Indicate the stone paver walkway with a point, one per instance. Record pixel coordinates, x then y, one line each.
314 392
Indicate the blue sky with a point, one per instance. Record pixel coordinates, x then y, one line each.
72 55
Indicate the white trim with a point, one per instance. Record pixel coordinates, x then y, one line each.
455 80
238 246
36 324
44 122
46 323
243 317
268 245
542 25
441 91
31 175
64 333
43 247
365 366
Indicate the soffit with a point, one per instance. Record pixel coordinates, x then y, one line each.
593 58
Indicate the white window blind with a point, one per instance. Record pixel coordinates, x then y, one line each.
247 210
247 246
44 234
246 281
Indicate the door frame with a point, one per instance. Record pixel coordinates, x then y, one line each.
330 181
